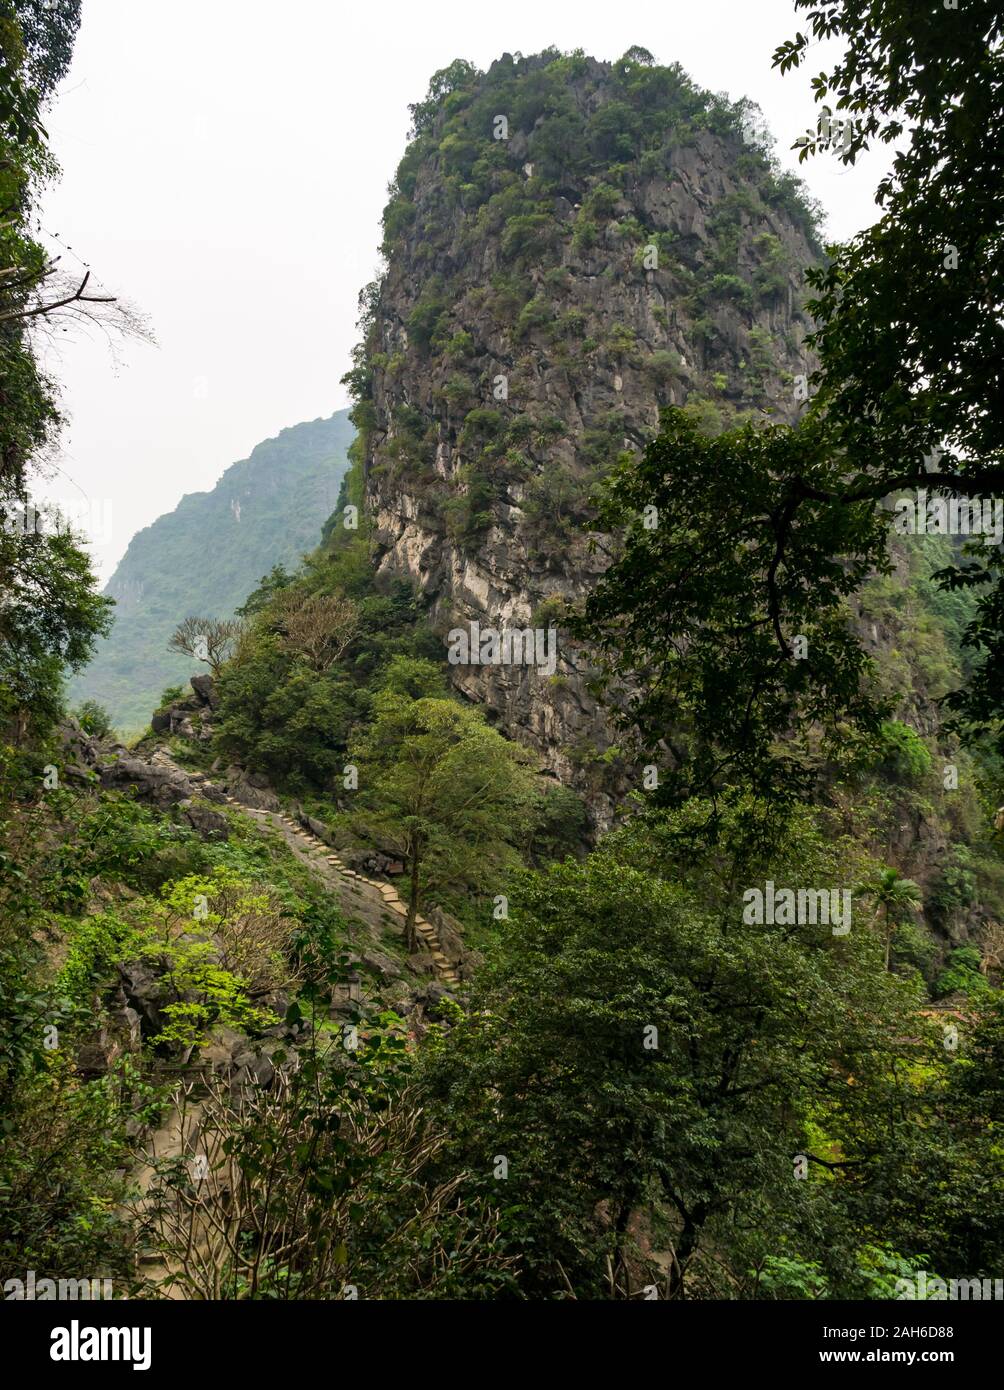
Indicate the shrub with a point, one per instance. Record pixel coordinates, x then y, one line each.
170 694
528 235
94 719
571 324
482 424
535 314
459 391
961 973
585 233
460 347
621 340
902 753
730 287
662 364
425 318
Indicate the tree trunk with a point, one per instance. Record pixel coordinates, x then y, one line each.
620 1232
687 1245
410 933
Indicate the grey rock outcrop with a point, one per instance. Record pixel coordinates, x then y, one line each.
600 344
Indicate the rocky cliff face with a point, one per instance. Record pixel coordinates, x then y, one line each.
571 246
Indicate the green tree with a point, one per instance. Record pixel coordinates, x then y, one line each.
440 786
645 1060
730 645
49 613
909 334
938 1184
50 617
910 329
896 897
94 719
278 712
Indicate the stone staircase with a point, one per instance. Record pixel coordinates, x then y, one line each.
173 1137
390 895
392 900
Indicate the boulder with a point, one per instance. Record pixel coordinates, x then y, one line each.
144 995
243 789
209 824
427 1004
161 784
96 1055
253 1068
223 1046
318 828
205 689
382 965
76 772
79 752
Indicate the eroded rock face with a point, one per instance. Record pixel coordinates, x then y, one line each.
205 690
162 786
191 716
147 773
251 789
642 287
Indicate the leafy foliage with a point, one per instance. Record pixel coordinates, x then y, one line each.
649 1064
737 642
440 786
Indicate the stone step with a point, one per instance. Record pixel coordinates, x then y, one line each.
394 907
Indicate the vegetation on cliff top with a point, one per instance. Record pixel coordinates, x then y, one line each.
552 171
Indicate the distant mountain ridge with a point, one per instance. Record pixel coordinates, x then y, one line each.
206 556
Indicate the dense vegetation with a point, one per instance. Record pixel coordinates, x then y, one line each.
649 1082
557 175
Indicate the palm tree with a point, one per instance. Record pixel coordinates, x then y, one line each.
896 896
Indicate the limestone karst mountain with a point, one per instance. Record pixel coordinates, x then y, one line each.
206 556
571 245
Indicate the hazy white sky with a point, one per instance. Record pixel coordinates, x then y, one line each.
225 164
